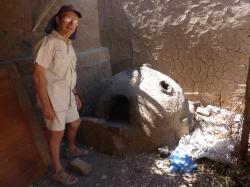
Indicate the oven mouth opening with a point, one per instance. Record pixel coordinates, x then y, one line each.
119 109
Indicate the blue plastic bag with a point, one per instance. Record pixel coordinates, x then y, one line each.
181 162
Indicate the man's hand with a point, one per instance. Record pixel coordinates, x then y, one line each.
48 113
78 102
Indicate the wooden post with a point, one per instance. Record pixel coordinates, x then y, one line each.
246 124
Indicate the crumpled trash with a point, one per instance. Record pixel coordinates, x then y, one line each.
200 144
211 140
221 151
181 162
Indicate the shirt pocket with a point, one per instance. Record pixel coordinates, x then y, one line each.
61 64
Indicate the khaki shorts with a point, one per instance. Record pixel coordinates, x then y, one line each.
61 118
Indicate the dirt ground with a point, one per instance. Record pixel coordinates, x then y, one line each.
150 170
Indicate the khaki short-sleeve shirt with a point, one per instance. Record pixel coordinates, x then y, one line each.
58 57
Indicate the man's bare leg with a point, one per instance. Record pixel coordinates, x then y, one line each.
72 130
55 138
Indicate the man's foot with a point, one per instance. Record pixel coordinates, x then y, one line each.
77 152
63 178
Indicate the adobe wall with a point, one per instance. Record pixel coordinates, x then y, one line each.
115 33
202 44
17 18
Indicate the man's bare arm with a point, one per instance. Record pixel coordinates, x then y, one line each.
78 100
40 85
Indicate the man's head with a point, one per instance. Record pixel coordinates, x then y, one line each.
65 21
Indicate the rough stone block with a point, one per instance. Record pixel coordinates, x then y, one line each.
94 57
80 166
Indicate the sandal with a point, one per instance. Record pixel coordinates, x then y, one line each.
77 152
63 178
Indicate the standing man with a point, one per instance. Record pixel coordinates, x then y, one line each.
55 79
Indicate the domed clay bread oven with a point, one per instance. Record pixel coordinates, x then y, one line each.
138 110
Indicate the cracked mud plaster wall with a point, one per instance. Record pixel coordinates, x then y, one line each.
17 18
202 44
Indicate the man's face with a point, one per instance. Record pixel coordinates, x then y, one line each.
67 23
